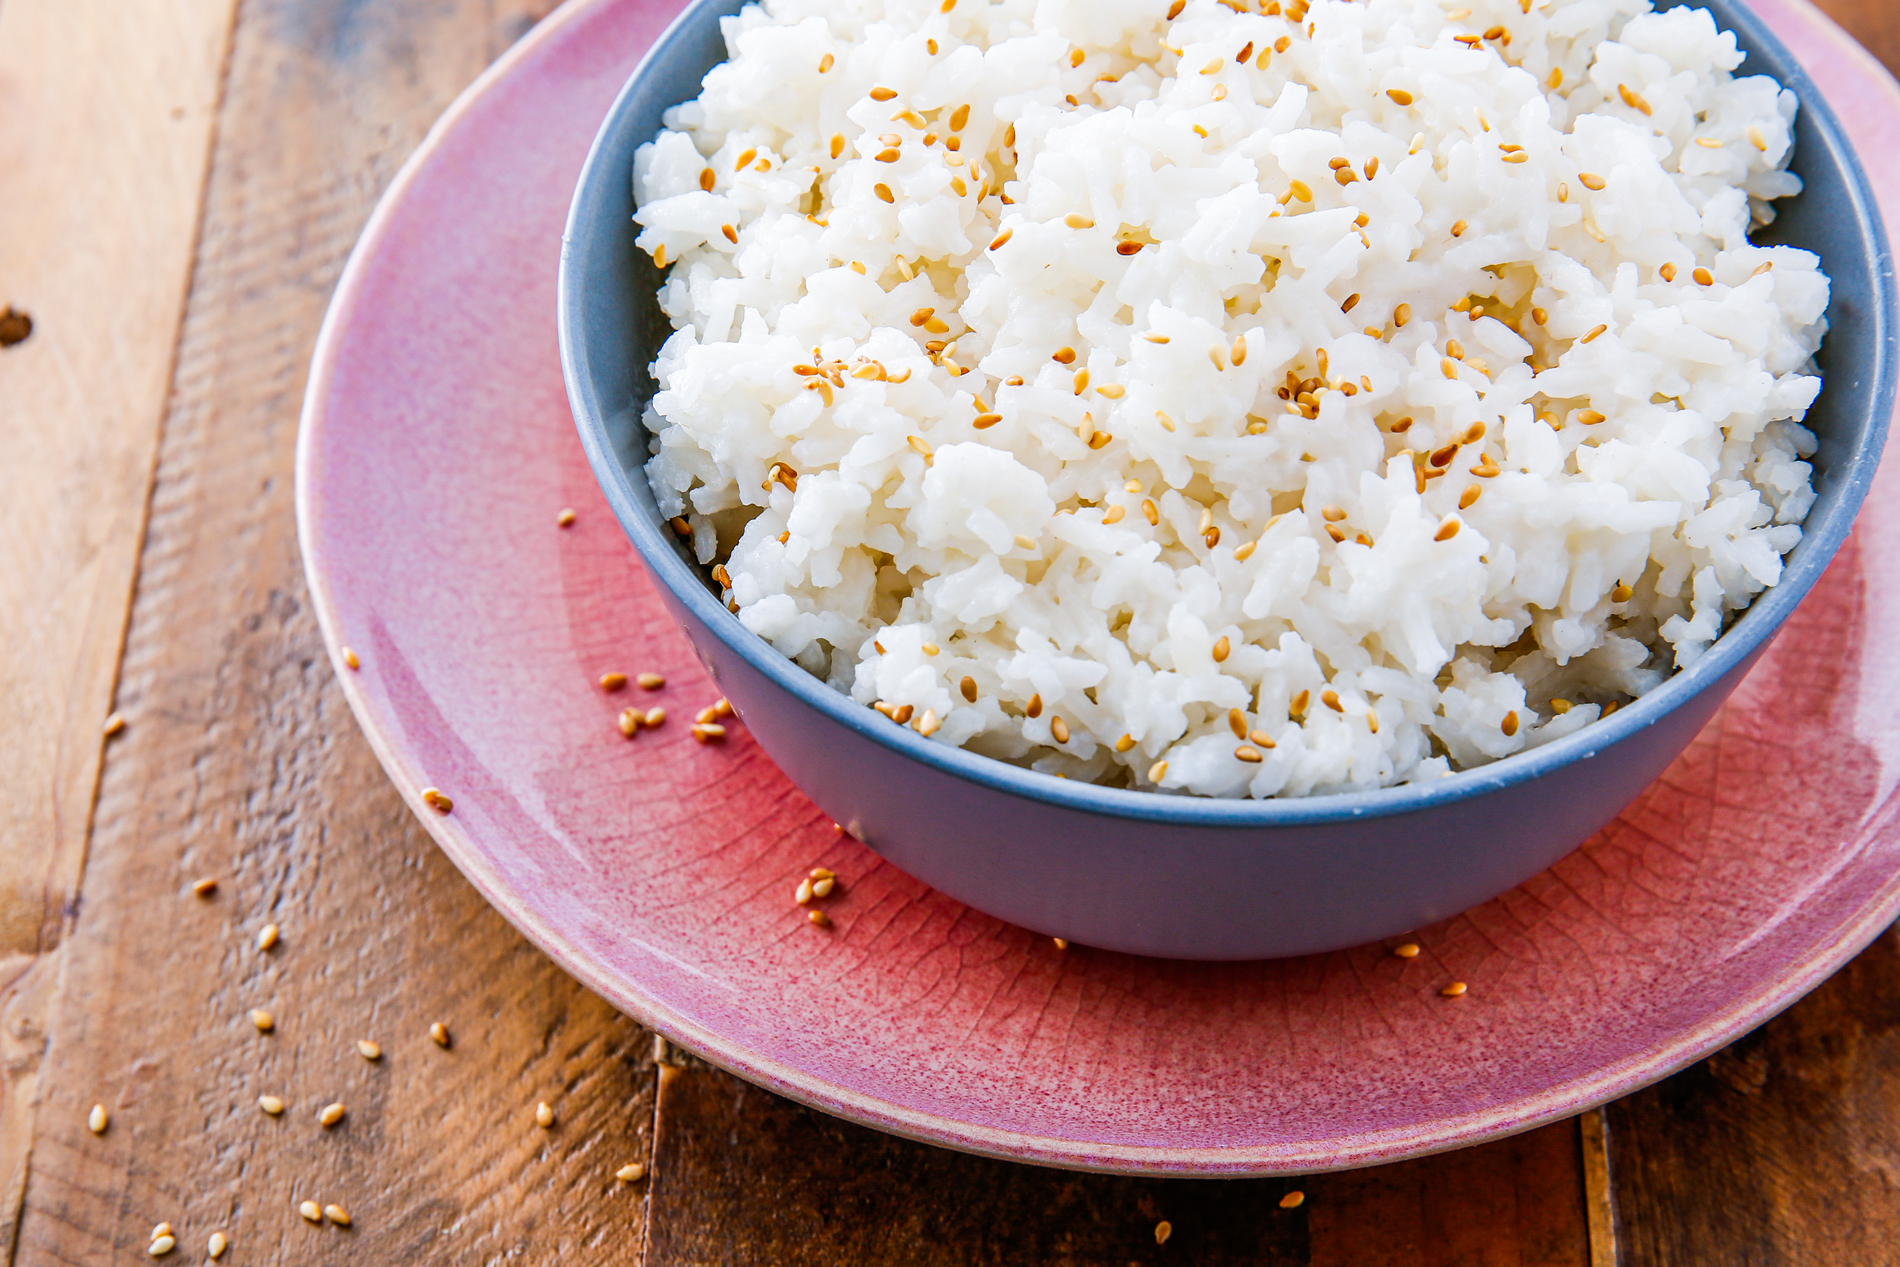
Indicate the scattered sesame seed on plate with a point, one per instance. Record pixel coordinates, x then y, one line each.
97 1121
613 681
370 1051
214 1248
1455 990
270 1104
337 1215
351 660
1163 1230
1293 1200
632 1172
802 894
435 800
160 1229
267 936
263 1020
544 1114
819 919
206 887
650 681
162 1246
331 1114
114 724
440 1033
311 1212
823 887
1406 950
1062 943
655 718
566 518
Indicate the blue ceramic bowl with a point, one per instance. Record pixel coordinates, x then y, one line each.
1179 876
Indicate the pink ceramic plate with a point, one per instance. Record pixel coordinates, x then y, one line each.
436 452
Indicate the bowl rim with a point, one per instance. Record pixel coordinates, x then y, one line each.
1822 536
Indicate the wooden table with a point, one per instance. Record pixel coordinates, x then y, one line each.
180 182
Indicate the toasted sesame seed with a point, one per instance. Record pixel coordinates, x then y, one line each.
883 94
655 717
310 1211
1250 755
818 919
1455 990
1591 180
824 886
544 1115
1114 515
1590 417
114 724
215 1247
440 1034
1458 230
613 681
331 1114
929 724
369 1050
630 722
1034 707
1293 1200
435 800
1222 649
709 732
983 422
1703 277
706 714
1237 722
1163 1230
1298 707
1157 772
632 1172
1330 698
1756 139
96 1121
1509 724
1447 529
1076 220
1100 439
160 1229
1301 190
206 887
1633 99
337 1215
1399 95
884 191
889 156
1594 332
263 1020
825 64
837 145
1059 729
1406 950
1238 353
968 687
271 1104
162 1245
350 659
1002 239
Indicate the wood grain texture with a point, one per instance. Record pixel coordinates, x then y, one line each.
242 762
743 1177
1783 1150
1875 23
106 111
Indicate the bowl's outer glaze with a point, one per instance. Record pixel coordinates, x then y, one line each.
437 447
1175 876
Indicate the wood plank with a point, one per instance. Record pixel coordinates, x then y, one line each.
1874 23
743 1177
1779 1149
106 111
242 762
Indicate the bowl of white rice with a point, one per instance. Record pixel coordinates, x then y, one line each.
1226 478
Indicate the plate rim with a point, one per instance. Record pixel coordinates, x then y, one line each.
1367 1148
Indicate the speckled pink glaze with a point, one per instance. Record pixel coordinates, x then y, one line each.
437 450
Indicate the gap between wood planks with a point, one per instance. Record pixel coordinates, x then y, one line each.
107 110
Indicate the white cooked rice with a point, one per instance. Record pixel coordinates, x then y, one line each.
1147 557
